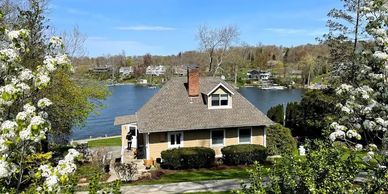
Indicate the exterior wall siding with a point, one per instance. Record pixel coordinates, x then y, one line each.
201 138
157 143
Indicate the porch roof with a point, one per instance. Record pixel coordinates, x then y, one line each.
125 119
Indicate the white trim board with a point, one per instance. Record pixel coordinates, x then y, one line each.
215 88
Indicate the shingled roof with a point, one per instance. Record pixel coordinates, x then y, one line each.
172 110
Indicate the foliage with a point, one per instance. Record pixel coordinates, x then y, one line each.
325 169
276 113
280 140
190 157
73 102
95 187
310 117
72 99
362 105
125 171
243 154
24 120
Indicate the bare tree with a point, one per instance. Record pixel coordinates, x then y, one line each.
216 42
74 42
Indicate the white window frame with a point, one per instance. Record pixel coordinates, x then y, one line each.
169 139
238 135
211 138
210 106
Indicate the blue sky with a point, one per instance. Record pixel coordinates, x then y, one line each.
167 27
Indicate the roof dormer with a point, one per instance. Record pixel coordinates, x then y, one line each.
220 97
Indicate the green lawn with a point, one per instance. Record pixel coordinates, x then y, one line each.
89 170
115 141
198 175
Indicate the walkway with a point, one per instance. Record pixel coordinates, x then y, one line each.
184 187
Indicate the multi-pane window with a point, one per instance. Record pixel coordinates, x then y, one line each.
175 139
219 99
244 136
217 137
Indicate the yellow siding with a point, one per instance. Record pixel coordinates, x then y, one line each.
220 90
158 143
200 138
124 132
258 135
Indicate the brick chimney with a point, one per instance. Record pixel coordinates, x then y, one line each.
193 80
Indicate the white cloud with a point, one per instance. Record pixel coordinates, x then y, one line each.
145 28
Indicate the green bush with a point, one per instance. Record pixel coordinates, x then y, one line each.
280 140
243 154
190 157
276 113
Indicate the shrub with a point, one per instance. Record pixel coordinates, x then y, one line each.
280 140
190 157
126 171
276 113
243 154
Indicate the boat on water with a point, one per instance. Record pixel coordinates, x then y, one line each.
274 88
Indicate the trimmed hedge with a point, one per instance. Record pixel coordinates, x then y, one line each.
190 157
280 141
243 154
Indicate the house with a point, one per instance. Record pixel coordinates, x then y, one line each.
101 69
253 74
126 71
258 75
264 75
193 111
156 70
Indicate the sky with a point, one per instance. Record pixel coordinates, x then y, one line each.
167 27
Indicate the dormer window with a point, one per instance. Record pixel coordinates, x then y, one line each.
219 99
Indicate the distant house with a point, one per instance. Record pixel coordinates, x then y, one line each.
296 73
258 75
126 71
180 70
193 111
253 75
101 69
264 75
156 70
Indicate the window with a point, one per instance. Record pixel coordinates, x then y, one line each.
175 139
217 137
244 135
219 99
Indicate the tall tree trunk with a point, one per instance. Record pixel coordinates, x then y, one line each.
235 74
356 26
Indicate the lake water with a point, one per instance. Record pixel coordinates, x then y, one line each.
127 99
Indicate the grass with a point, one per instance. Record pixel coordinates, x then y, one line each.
197 175
90 170
115 141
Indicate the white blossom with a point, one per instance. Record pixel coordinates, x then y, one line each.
5 169
358 147
37 120
25 75
44 102
380 55
56 41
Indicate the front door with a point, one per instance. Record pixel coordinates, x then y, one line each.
133 130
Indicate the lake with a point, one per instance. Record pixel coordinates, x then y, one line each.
127 99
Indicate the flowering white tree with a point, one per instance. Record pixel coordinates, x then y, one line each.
23 120
364 105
